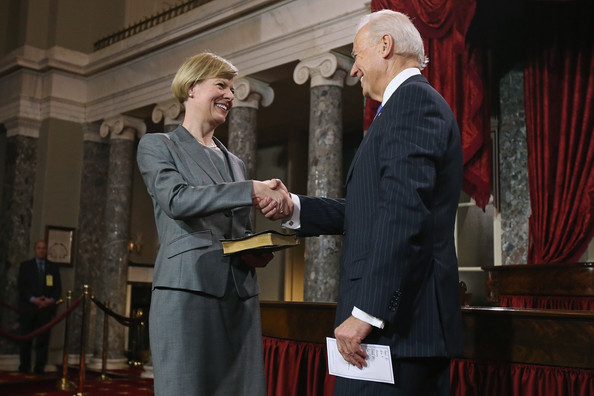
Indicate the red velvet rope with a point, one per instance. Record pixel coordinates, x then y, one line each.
119 318
42 329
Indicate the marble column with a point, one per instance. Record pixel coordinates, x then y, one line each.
513 170
327 73
16 213
122 131
171 112
243 119
91 226
243 123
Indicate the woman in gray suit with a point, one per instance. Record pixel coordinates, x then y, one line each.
204 322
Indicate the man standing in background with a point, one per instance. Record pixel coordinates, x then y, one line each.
39 288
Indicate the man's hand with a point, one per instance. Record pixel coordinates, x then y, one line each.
265 192
42 301
272 209
349 336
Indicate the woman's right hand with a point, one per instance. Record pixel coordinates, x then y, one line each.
271 199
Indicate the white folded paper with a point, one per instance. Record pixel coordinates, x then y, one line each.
379 363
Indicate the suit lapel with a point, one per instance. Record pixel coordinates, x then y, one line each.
195 151
366 138
377 120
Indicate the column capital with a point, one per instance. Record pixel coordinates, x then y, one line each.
250 92
91 133
122 127
22 126
168 111
330 68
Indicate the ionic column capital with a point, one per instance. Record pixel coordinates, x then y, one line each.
330 68
91 133
168 111
122 127
250 92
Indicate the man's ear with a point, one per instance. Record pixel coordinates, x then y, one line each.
386 46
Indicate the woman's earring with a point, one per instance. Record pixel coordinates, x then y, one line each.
191 95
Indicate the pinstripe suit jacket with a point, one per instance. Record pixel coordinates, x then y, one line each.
402 189
194 209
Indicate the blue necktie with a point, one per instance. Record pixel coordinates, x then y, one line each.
378 110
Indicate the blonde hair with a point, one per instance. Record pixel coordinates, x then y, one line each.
405 35
198 68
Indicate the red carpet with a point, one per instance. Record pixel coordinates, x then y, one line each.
122 382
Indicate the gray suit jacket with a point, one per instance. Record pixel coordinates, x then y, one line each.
194 209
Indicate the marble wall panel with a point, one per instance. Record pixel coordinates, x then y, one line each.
513 169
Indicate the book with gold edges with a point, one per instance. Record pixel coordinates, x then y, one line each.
265 241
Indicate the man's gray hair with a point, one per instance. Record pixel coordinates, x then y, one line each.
407 39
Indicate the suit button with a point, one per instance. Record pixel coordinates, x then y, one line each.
227 236
227 213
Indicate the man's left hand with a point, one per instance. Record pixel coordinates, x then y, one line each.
349 336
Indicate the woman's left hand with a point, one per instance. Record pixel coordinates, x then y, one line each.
257 260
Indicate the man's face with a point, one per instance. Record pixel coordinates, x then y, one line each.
366 64
40 250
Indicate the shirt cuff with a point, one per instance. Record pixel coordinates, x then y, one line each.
365 317
294 223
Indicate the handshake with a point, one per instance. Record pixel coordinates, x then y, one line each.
272 199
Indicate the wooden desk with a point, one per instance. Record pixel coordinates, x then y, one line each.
568 279
298 321
545 337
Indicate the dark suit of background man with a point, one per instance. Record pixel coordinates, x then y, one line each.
399 271
39 287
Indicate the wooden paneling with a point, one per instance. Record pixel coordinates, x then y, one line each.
570 279
547 337
298 321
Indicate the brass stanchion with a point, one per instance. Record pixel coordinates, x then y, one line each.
135 358
104 376
64 384
81 379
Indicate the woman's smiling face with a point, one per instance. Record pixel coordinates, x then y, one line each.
212 99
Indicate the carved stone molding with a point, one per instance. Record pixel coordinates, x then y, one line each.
122 127
250 92
22 126
169 111
326 69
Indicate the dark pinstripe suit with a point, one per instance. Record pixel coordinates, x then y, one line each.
399 262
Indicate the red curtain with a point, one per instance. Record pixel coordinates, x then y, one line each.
296 368
299 369
456 72
476 378
572 303
559 100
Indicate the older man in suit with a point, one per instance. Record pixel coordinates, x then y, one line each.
399 274
39 288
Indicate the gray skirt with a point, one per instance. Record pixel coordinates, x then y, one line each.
204 345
